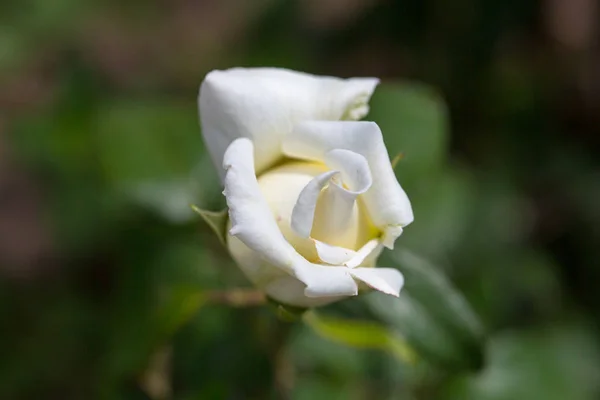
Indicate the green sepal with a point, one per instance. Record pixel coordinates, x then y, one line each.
286 312
217 220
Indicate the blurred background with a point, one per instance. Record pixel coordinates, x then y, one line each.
105 270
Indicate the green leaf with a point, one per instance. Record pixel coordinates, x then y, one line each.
424 333
432 315
414 121
217 220
316 387
537 364
141 141
179 305
360 334
151 152
443 207
430 287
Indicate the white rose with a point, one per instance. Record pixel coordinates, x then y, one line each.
312 195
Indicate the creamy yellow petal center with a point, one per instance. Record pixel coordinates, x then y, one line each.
281 187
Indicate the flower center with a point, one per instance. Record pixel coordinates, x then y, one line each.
336 221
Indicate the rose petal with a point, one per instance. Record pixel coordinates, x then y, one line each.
353 167
333 214
333 255
289 290
386 280
304 209
263 104
254 224
336 203
373 245
386 201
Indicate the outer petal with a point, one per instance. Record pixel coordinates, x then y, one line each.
386 280
289 290
386 201
263 104
253 223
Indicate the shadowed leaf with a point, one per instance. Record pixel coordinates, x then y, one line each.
432 315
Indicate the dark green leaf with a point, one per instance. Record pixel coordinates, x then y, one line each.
541 364
153 153
430 287
433 316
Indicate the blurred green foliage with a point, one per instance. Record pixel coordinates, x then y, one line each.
104 265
